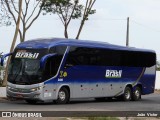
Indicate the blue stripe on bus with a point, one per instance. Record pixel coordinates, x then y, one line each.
97 74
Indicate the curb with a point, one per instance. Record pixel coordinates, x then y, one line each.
4 99
2 91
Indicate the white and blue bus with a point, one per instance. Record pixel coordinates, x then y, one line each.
62 69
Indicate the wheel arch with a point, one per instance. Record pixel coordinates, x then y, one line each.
133 87
63 86
138 85
128 85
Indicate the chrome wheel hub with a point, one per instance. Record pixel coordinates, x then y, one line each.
137 94
127 94
62 95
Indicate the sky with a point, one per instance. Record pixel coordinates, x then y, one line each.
109 24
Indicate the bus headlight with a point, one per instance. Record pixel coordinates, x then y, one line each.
36 89
8 87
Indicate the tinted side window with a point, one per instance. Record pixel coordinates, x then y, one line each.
90 56
51 67
138 59
108 57
78 56
60 50
53 63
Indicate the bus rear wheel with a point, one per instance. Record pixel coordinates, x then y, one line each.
136 94
127 94
63 96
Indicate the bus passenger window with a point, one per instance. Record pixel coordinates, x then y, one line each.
51 67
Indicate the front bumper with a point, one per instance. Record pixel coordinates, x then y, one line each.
20 95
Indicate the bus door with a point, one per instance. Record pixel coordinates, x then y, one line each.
50 71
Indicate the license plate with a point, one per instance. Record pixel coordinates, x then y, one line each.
20 96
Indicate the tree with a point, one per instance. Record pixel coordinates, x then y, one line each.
1 67
68 10
87 11
28 19
29 13
22 15
4 15
7 6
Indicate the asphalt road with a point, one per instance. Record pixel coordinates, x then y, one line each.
147 103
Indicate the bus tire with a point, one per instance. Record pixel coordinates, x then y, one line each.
136 94
63 96
127 94
31 101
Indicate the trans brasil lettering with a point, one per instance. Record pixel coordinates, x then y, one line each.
27 55
113 73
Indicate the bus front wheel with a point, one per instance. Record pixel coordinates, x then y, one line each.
63 96
136 94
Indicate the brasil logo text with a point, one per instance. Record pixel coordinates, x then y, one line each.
113 74
26 55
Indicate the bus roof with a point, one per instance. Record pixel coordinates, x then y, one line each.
50 42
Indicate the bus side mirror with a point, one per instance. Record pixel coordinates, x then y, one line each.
3 57
44 59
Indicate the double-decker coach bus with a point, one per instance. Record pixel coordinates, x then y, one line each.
63 69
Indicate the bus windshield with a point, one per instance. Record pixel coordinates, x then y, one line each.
25 71
24 67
